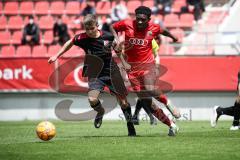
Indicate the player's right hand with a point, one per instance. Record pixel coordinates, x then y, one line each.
52 59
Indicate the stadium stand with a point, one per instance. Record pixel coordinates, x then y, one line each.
46 22
57 8
15 23
14 15
42 7
72 8
103 7
3 22
7 51
131 5
48 37
23 51
186 20
52 50
148 3
16 37
26 8
11 8
5 38
39 51
171 21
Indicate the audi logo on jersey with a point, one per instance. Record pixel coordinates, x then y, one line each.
137 41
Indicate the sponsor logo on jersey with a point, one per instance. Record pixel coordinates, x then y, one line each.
137 41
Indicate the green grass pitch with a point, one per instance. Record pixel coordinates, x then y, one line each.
80 140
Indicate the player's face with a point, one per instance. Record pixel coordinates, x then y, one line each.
91 30
142 21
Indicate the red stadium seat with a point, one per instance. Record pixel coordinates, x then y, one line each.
74 52
5 37
171 21
148 3
11 8
23 51
166 50
48 37
26 8
179 33
53 50
132 5
7 51
177 5
73 7
15 22
67 20
46 22
16 37
186 20
103 7
39 51
41 8
3 22
1 8
57 7
122 2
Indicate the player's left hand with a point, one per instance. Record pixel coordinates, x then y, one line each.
175 39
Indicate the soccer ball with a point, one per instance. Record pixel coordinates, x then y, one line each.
45 130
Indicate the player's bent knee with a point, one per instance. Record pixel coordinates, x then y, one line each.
124 104
93 101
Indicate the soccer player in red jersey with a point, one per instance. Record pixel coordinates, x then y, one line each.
140 62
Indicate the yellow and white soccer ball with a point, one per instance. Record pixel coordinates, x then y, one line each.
46 130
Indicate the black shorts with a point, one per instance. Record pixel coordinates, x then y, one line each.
114 82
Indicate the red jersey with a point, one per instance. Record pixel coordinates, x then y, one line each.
138 43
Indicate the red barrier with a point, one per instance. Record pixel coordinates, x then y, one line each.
184 73
24 73
202 73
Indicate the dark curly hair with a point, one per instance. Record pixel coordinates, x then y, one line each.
143 10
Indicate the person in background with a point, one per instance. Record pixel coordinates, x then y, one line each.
162 6
60 32
106 24
31 33
89 9
233 111
119 12
199 8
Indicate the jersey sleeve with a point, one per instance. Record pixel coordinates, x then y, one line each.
120 26
158 29
77 40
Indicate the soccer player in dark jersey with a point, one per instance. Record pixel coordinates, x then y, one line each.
233 111
139 34
96 45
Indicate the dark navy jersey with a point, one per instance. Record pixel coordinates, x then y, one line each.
98 53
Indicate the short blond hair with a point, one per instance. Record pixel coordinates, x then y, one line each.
90 20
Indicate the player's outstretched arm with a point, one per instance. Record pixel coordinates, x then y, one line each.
168 34
117 42
64 49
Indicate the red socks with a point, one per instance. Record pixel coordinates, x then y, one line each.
163 99
161 116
